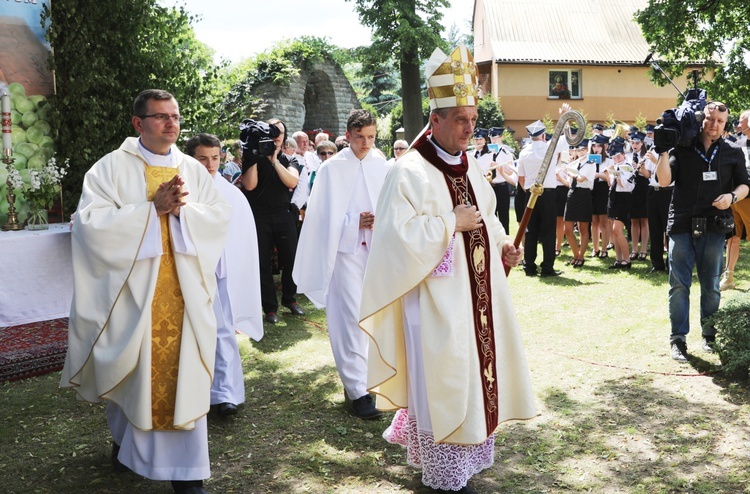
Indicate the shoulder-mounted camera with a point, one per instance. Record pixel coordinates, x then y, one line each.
680 126
257 140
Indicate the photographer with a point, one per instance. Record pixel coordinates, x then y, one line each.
709 176
267 180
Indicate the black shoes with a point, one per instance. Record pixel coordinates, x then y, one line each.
709 343
364 408
679 350
226 409
188 487
549 272
119 467
658 270
530 272
621 265
295 309
271 318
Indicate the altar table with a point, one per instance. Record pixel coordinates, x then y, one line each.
36 275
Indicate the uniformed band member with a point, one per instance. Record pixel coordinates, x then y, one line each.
638 211
618 208
600 195
504 176
541 226
578 206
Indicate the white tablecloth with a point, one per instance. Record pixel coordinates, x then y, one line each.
36 275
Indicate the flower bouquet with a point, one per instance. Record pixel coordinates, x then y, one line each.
39 187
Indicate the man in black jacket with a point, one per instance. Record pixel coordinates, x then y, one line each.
709 176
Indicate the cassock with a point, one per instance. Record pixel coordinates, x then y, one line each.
420 311
237 306
332 254
125 259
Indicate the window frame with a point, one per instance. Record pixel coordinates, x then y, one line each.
566 76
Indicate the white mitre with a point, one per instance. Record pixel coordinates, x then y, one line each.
452 79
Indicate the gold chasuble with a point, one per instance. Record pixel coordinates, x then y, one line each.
167 311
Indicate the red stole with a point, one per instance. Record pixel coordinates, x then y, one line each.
477 249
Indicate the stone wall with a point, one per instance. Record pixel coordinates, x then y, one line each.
320 98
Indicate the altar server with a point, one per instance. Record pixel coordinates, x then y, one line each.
334 246
237 305
148 233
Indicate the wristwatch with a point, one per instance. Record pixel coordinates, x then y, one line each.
734 197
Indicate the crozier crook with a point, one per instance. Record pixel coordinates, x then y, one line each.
538 186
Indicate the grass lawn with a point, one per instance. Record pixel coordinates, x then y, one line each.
616 414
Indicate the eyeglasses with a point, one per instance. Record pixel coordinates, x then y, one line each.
714 106
164 118
326 153
399 149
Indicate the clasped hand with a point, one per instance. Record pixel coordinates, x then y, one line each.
366 220
168 197
467 218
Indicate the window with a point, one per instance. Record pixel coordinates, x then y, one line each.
564 84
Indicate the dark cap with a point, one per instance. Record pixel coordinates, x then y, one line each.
615 148
649 128
600 139
480 133
638 136
496 131
597 126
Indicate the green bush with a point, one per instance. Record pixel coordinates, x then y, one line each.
733 337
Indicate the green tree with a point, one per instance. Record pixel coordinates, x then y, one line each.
379 85
408 30
489 113
147 45
714 33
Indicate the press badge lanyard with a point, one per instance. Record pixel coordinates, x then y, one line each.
709 175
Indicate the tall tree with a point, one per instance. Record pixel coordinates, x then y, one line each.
98 75
710 32
408 30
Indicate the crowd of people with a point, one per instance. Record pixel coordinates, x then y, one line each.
174 253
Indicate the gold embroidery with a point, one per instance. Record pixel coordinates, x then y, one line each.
167 311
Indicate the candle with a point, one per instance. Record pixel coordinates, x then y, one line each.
7 140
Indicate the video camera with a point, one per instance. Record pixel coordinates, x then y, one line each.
257 140
679 126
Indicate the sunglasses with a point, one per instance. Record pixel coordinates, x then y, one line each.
326 153
399 149
714 106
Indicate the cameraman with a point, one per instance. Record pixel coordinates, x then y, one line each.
267 186
709 176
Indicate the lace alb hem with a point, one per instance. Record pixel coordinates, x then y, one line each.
444 466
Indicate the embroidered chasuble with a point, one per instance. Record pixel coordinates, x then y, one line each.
477 247
167 312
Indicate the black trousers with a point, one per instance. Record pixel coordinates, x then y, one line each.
502 209
541 228
519 202
276 230
657 211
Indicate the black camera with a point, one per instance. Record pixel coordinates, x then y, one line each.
257 140
724 224
266 147
680 126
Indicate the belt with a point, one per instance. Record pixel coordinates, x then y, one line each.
657 188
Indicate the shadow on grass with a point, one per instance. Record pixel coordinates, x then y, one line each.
634 438
295 434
